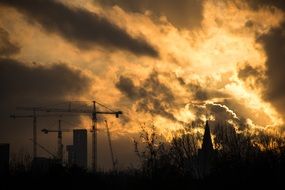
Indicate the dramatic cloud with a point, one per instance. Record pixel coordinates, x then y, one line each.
181 13
253 77
242 110
274 45
220 60
256 4
23 85
21 82
151 96
218 114
7 48
222 113
247 71
201 93
126 86
198 92
83 28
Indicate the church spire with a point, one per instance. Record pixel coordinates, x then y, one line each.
207 145
206 154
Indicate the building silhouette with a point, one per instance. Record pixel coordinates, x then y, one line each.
4 158
206 153
207 145
78 152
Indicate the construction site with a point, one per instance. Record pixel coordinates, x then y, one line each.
69 155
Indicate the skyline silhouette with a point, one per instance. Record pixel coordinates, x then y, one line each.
192 89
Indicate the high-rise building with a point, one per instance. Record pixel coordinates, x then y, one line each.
4 158
80 147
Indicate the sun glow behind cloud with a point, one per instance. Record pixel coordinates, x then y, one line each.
209 57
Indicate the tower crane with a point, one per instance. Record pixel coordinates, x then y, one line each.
90 111
110 146
34 116
59 132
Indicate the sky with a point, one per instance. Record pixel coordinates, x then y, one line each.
172 64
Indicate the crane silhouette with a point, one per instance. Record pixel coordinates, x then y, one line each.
35 116
92 111
59 132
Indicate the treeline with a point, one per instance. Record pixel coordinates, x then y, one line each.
246 157
239 158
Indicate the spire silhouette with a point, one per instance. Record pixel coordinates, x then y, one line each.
206 153
207 145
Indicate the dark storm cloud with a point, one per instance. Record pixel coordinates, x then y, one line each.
274 45
201 93
249 24
253 77
7 48
23 85
18 81
127 86
151 96
247 71
83 28
181 13
256 4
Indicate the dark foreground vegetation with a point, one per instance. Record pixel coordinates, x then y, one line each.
238 160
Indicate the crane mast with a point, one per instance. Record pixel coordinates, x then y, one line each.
94 137
59 132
